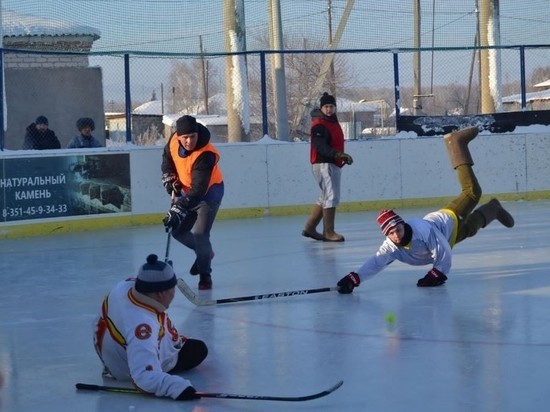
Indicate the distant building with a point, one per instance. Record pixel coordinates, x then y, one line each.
42 78
24 32
534 101
147 126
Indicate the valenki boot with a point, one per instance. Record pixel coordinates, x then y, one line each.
328 226
493 210
457 146
310 229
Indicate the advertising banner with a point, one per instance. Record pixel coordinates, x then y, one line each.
70 185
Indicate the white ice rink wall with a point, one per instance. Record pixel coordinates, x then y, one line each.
275 177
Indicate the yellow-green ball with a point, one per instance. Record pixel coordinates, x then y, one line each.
390 318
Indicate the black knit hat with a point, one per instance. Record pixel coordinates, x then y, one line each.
155 276
327 99
186 125
41 120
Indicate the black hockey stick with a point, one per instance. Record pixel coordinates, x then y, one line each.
189 294
167 254
169 231
85 386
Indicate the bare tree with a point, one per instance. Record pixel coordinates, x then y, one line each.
301 71
187 85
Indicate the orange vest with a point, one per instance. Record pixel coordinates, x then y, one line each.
184 165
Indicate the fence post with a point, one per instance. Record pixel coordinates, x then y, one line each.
264 93
128 108
396 88
2 97
522 77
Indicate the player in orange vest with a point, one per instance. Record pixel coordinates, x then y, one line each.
191 172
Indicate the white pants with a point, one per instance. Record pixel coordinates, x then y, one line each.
328 176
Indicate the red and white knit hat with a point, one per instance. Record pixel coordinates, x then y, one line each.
388 219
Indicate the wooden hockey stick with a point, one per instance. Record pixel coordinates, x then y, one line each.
193 298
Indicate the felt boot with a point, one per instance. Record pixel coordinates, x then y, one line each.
493 210
457 146
329 234
310 229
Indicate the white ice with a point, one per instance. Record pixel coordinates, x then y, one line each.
479 343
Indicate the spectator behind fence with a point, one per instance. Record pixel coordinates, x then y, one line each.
85 126
39 136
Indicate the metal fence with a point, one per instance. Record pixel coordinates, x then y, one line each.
143 92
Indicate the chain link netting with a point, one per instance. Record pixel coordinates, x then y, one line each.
160 59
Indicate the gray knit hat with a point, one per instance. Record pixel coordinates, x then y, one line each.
155 276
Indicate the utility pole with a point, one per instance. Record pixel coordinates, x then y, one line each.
204 72
417 71
490 79
332 76
298 123
278 69
236 78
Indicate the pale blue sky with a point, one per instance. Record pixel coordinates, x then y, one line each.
174 26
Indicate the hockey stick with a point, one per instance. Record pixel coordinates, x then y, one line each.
167 254
189 294
169 231
85 386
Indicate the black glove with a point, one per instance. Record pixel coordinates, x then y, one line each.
188 394
433 278
172 184
346 158
348 282
175 216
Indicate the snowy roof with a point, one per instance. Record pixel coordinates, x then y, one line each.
205 119
17 24
516 98
347 105
152 108
545 83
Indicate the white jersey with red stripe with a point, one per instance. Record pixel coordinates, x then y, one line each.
137 342
430 244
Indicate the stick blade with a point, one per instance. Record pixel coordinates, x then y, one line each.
87 387
272 398
191 296
324 393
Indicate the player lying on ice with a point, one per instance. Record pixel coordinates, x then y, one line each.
136 340
429 240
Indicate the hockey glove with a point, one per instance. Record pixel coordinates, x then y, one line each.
175 216
346 158
172 184
433 278
188 394
348 282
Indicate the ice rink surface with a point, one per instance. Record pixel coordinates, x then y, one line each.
479 343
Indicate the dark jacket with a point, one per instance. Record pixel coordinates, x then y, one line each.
327 138
82 141
37 140
202 170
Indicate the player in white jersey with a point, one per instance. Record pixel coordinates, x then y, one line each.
429 240
137 342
